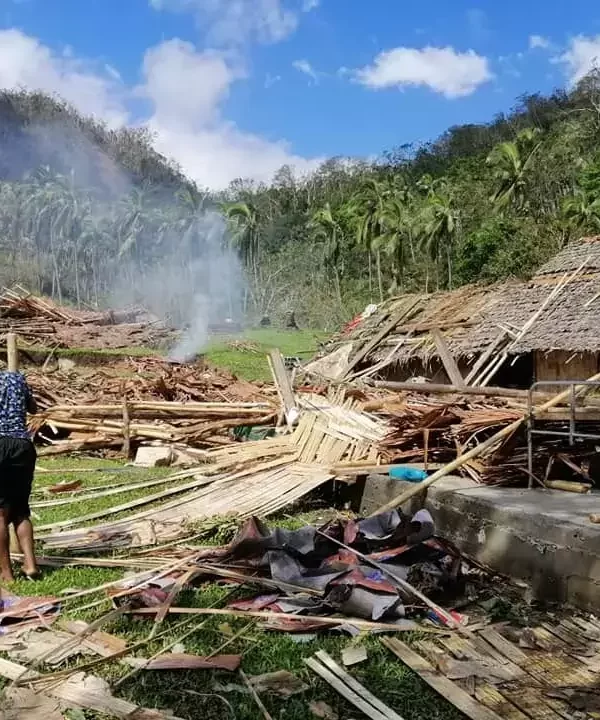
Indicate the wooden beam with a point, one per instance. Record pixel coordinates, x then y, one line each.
434 389
284 386
446 688
447 358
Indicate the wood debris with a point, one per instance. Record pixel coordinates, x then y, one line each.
349 688
41 323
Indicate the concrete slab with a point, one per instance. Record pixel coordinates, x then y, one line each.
542 537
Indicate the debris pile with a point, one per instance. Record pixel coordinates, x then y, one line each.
429 432
137 400
142 379
356 568
241 479
41 323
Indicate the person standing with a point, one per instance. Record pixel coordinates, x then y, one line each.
17 467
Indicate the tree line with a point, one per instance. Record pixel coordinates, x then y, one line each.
80 203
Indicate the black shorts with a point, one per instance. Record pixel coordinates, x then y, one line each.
17 466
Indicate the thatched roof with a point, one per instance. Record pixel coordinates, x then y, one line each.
472 317
571 257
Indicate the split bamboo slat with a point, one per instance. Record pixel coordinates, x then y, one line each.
251 478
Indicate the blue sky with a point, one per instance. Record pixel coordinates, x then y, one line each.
237 87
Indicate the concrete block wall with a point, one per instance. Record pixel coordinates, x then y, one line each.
542 537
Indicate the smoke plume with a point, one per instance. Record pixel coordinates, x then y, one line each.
196 285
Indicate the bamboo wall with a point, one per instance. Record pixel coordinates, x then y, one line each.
561 365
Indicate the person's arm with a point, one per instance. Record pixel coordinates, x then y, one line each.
32 407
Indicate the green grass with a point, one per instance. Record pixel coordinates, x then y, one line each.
112 473
213 695
245 356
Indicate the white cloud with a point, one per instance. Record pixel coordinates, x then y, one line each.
309 5
186 90
185 86
189 127
538 42
271 80
233 22
443 70
306 68
94 90
582 56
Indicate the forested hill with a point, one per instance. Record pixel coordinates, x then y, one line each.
482 202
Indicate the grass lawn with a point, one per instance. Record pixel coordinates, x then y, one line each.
245 355
207 694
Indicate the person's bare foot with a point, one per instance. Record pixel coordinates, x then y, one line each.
30 572
6 578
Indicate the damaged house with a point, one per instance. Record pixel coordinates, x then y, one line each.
509 334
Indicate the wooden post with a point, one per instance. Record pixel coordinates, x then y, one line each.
12 352
126 430
447 359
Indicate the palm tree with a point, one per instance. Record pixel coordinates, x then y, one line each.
368 208
130 219
48 211
511 163
440 225
582 211
398 225
325 227
246 223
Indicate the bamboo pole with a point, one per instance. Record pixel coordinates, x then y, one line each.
435 388
126 430
476 451
407 626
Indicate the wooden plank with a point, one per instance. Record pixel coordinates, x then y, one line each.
573 642
447 359
462 648
504 646
492 698
554 670
531 702
348 694
581 627
446 688
353 684
487 650
284 385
